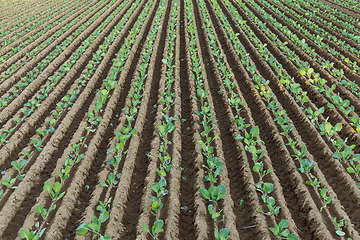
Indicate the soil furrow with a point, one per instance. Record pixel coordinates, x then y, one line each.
142 177
187 198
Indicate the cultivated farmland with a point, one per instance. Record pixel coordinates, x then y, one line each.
155 119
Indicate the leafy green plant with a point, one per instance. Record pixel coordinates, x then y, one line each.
265 188
156 229
259 167
315 182
213 213
95 225
339 225
281 231
54 190
354 169
18 167
223 234
327 200
214 193
306 165
43 211
111 180
273 209
28 154
24 233
37 143
8 182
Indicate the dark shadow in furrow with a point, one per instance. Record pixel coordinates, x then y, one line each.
132 211
29 202
271 144
233 163
186 217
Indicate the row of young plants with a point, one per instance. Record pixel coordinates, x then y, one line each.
33 26
131 113
9 9
316 82
349 3
33 53
331 21
67 101
214 167
250 139
46 89
344 45
75 158
29 19
20 16
77 155
319 84
164 130
317 38
335 14
283 121
18 9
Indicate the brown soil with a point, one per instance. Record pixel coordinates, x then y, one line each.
185 211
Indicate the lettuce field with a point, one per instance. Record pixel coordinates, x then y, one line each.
155 119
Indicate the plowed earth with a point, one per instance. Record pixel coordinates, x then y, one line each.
185 212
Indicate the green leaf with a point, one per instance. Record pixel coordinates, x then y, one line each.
205 193
271 201
104 216
94 226
47 186
145 228
157 228
284 224
105 237
221 191
292 237
323 192
356 157
268 187
224 231
82 229
274 230
57 187
331 106
239 137
24 233
255 131
350 170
